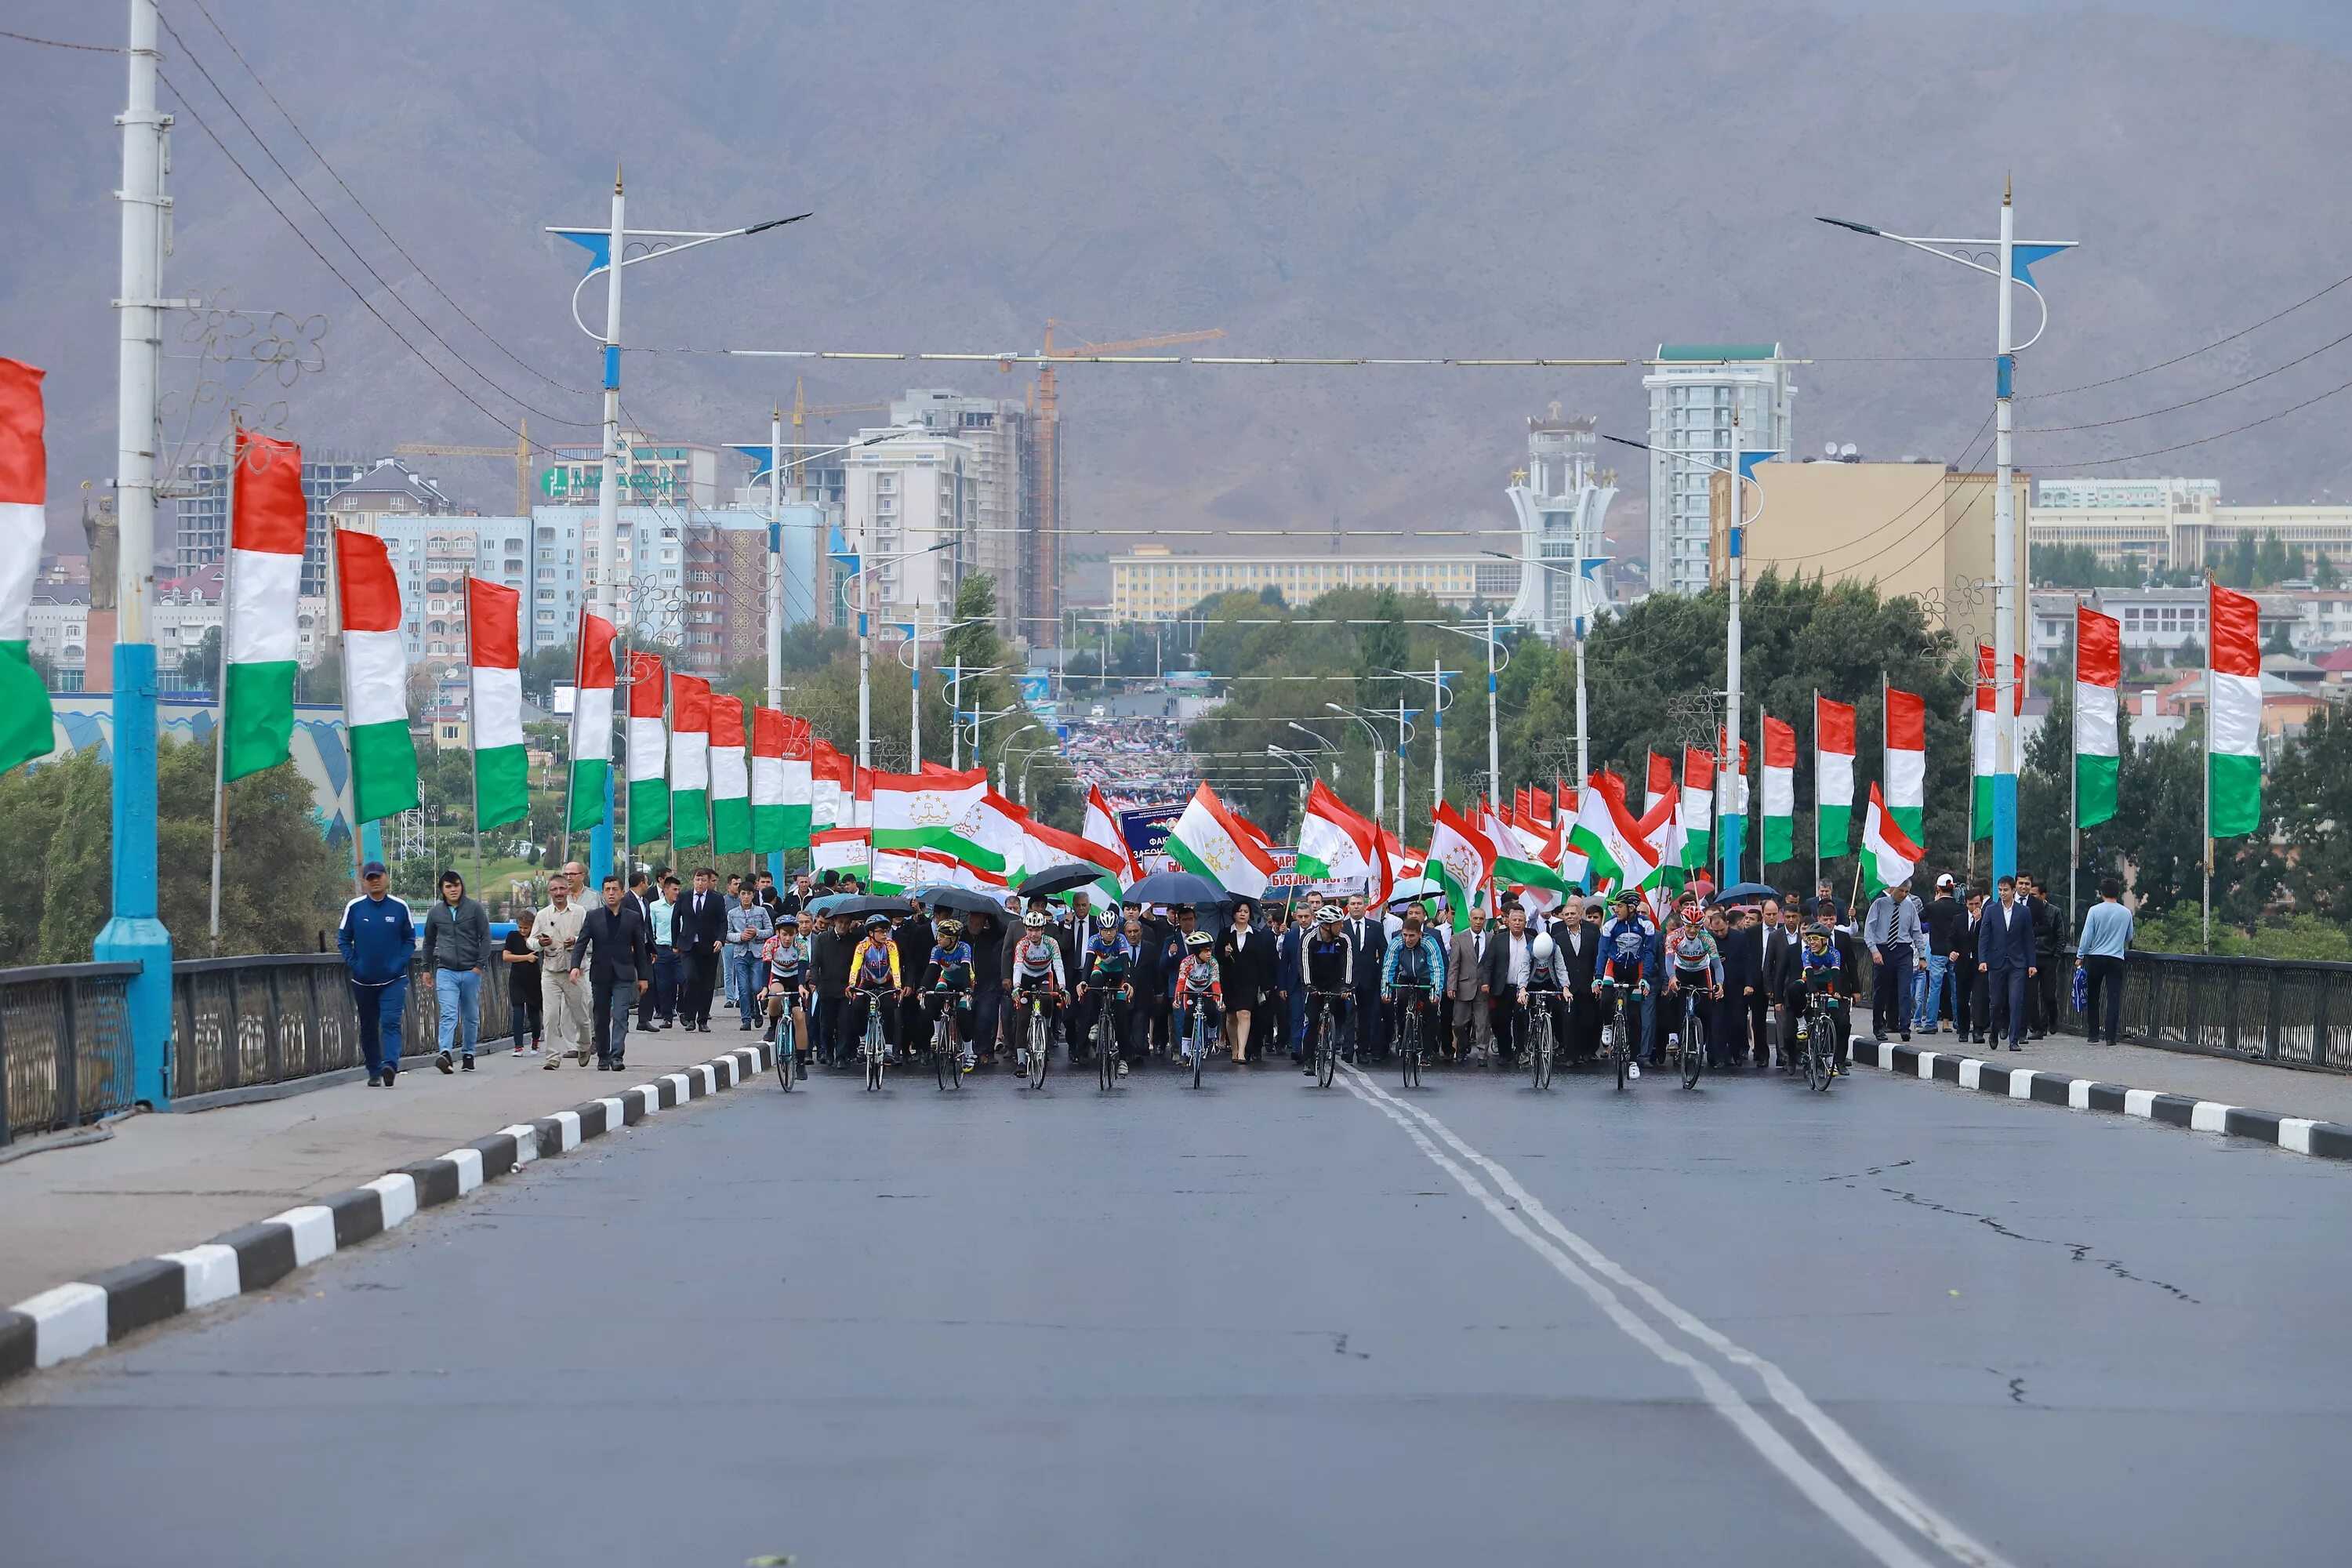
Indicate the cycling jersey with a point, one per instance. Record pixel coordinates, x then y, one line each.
1330 963
876 965
1107 957
949 968
1692 952
786 957
1421 963
1823 971
1198 979
1037 961
1629 951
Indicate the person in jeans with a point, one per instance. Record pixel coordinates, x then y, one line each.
616 956
377 937
1946 925
748 926
522 965
2099 954
457 952
1891 931
663 915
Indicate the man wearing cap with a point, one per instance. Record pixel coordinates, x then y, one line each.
377 937
1946 925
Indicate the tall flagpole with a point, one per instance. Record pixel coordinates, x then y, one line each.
1817 787
621 685
473 725
571 731
220 682
2075 776
2205 938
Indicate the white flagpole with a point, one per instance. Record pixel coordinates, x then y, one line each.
220 684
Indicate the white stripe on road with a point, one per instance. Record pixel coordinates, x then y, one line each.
1809 1479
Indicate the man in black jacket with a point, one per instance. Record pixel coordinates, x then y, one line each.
701 931
1369 940
1783 968
616 953
832 953
1947 924
2049 937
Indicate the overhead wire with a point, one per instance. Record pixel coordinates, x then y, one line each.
430 280
332 227
2190 403
2192 353
62 44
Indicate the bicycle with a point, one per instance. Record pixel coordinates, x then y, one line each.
1694 1038
1409 1032
1037 1037
1817 1030
787 1046
1199 1034
947 1057
1327 1040
1540 1040
1616 1041
1106 1042
876 1040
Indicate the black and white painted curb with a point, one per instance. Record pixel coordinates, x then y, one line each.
73 1319
2297 1134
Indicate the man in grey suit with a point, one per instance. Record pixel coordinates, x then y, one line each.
1465 965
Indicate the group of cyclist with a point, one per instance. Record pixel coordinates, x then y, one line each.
1131 984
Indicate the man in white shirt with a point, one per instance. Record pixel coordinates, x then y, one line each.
555 932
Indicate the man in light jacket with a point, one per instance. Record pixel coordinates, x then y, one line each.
555 932
1892 932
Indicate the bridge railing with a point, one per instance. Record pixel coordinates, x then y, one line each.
236 1022
2290 1011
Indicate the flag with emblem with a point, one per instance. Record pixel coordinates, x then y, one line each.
1609 836
1211 840
1461 860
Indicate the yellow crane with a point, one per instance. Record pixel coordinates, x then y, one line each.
1045 602
519 452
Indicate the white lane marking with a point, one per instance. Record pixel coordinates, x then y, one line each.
1840 1444
207 1274
2294 1133
1712 1386
396 1195
313 1225
67 1320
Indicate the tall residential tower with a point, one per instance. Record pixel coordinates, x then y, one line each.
1693 388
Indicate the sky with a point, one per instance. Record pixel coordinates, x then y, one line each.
2323 24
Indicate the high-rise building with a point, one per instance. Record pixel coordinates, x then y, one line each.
200 535
1693 388
433 556
1561 501
910 512
998 434
725 615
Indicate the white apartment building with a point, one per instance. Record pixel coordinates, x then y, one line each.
2185 527
901 498
998 434
433 556
1152 584
2078 495
1693 389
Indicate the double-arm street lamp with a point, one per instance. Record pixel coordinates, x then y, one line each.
2013 265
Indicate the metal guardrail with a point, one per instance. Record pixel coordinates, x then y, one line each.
240 1022
65 1046
2292 1012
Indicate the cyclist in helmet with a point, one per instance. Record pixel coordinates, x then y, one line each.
1106 979
786 992
1198 987
1037 975
1693 963
1328 962
1629 968
947 980
1824 969
874 983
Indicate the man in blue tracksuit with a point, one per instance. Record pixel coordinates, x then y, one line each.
378 938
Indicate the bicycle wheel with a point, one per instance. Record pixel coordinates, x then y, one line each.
1409 1048
1041 1038
1327 1048
944 1066
1105 1048
1200 1045
1694 1044
1539 1046
785 1052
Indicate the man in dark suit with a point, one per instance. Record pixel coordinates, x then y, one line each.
1741 1016
1783 967
1369 938
1502 977
1577 936
1290 981
1971 992
2005 957
616 953
701 933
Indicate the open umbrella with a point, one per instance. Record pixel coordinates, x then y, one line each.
857 906
1065 878
1414 888
1746 893
1178 887
944 896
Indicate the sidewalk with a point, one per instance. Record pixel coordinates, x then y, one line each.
167 1181
2321 1096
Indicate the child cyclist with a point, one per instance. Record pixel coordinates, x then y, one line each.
1199 993
873 980
1820 971
1037 973
786 992
947 984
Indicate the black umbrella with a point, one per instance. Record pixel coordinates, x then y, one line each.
1178 887
963 899
1065 878
1746 893
857 906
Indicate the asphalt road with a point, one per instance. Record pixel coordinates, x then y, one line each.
1266 1323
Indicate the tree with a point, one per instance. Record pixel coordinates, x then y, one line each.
200 666
2306 809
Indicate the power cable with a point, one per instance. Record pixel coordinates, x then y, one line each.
61 44
382 282
2203 440
2191 403
430 282
2192 353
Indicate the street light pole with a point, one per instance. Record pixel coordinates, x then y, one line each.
133 933
2017 259
1380 759
866 645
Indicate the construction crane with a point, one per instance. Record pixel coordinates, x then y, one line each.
1042 605
519 452
803 412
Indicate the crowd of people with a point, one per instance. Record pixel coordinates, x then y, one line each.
1157 984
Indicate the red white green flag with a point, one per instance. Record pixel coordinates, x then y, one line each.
494 660
1213 841
2233 724
1983 735
1461 862
1102 831
1698 808
1832 777
267 519
689 761
1888 854
27 730
376 679
645 748
730 778
767 780
1779 791
2099 677
1904 762
800 784
593 680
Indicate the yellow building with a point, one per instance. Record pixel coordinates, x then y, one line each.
1154 584
1917 528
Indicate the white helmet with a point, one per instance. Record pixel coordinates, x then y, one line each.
1543 946
1034 920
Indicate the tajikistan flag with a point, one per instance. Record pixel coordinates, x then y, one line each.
731 779
494 652
1609 836
1213 841
1832 777
1698 811
1905 761
1779 816
267 516
942 816
689 761
2233 724
1888 856
26 728
2098 676
1335 844
800 782
1982 737
645 744
375 680
1102 831
591 721
831 782
1049 848
1461 861
839 849
767 780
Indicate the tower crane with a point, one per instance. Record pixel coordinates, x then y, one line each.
519 452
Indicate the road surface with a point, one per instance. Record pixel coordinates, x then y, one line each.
1262 1322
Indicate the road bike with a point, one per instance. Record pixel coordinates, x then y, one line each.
1326 1038
876 1039
1817 1032
787 1045
1107 1040
1540 1040
1693 1034
1616 1039
947 1057
1198 1033
1037 1036
1408 1046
